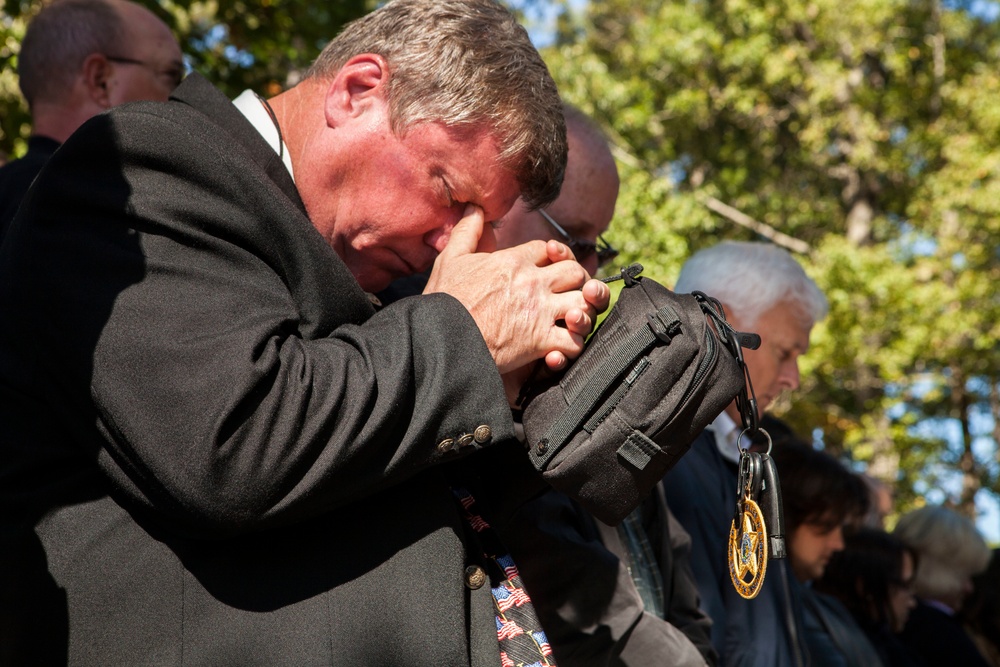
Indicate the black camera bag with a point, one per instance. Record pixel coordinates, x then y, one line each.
655 373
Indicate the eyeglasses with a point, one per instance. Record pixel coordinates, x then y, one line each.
583 249
173 75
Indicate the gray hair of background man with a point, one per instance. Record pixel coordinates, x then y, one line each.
949 547
58 40
751 277
466 64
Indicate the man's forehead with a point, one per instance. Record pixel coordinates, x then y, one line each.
481 178
796 321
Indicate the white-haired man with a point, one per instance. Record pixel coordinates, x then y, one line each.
764 290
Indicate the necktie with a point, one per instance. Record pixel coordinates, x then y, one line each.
522 641
641 560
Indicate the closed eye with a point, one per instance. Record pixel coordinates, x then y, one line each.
783 354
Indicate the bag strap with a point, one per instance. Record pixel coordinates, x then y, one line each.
735 341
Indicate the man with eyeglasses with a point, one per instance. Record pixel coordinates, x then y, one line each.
604 594
79 58
585 205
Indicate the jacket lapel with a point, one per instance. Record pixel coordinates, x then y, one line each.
201 95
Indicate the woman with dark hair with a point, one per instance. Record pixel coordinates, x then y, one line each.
873 577
820 497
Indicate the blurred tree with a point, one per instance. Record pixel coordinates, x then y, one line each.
237 44
861 135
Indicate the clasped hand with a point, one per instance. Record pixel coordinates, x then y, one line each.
532 301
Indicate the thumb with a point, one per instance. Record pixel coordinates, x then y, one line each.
466 233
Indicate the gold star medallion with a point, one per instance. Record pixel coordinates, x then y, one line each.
748 551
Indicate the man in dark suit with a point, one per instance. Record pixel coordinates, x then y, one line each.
79 58
763 289
216 450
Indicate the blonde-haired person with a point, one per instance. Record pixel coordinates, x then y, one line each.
237 459
950 551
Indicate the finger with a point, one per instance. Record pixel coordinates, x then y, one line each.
597 294
537 252
558 252
467 232
562 340
488 241
565 276
578 321
573 312
555 361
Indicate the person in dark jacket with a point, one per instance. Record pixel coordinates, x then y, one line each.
821 498
950 551
79 58
216 449
764 290
873 577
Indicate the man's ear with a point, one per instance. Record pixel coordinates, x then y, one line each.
96 71
357 88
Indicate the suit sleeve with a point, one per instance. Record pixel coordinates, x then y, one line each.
213 351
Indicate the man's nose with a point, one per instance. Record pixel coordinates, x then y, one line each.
837 539
789 374
438 238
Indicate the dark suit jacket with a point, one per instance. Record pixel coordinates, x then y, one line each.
765 631
832 635
214 450
16 177
939 639
575 569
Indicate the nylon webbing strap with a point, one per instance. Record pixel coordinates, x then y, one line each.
639 450
542 451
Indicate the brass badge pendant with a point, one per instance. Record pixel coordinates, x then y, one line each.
748 551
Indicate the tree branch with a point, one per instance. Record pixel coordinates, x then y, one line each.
765 230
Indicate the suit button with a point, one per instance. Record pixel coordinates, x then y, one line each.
465 440
446 445
483 434
475 577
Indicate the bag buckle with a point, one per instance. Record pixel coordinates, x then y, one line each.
664 332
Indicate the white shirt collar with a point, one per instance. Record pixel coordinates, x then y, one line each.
251 106
726 435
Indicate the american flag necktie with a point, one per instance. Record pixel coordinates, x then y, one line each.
522 641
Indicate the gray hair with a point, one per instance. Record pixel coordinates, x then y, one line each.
750 278
59 39
466 64
949 549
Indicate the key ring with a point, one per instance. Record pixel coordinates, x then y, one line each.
770 444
